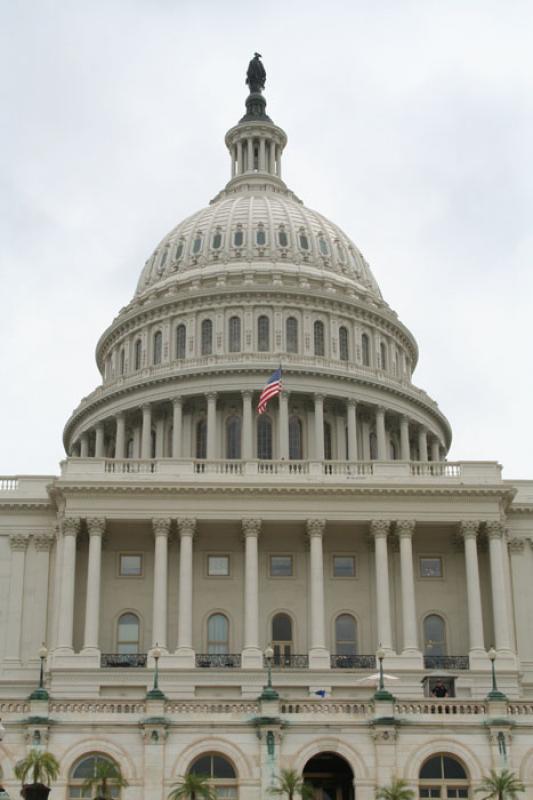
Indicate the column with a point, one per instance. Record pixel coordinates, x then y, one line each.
146 435
379 528
211 425
177 423
120 436
70 529
96 530
247 434
262 159
42 542
99 443
250 154
318 655
283 424
18 543
251 655
469 532
435 449
272 167
422 444
159 609
240 169
319 427
351 416
380 434
405 450
405 529
84 445
495 532
232 156
186 528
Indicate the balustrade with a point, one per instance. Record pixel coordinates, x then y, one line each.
218 660
446 662
123 660
353 662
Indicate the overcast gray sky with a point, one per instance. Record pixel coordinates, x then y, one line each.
410 125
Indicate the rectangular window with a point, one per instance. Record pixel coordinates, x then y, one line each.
430 567
218 566
130 565
430 792
343 566
281 566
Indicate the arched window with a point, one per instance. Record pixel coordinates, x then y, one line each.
138 348
383 355
345 635
303 240
282 639
343 343
217 634
216 242
283 239
264 438
122 362
318 330
295 438
373 442
292 335
201 439
207 337
181 341
157 348
327 441
434 635
92 766
128 633
233 437
220 772
365 349
179 250
234 335
263 334
443 776
238 238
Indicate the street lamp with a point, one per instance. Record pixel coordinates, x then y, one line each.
494 693
269 693
40 693
155 692
381 693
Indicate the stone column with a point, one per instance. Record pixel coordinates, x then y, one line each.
318 655
186 528
42 542
160 604
272 165
240 168
251 654
405 529
250 152
99 442
247 435
469 532
146 436
262 160
319 427
211 425
95 529
379 528
495 532
18 543
380 434
70 530
351 415
422 444
177 423
405 449
283 424
84 445
435 449
120 435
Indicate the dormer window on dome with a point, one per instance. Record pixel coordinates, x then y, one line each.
197 244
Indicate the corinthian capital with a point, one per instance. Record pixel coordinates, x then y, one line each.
43 540
379 527
18 541
495 529
405 527
161 526
315 527
469 528
251 527
95 526
186 526
71 526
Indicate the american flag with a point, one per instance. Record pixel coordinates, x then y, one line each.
272 388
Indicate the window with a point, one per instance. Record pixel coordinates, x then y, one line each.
157 347
263 334
343 343
327 441
430 567
323 246
153 444
343 566
201 439
282 639
197 244
234 335
138 354
130 565
281 566
122 362
179 250
238 238
218 566
303 241
341 255
318 330
260 237
181 341
283 239
345 635
220 772
295 438
217 634
365 349
434 636
264 438
90 767
383 355
443 777
128 630
233 437
292 335
207 337
216 242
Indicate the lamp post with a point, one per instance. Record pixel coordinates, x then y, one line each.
269 693
381 693
40 693
494 693
155 692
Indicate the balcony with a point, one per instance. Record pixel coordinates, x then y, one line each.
353 662
447 662
123 660
218 660
279 661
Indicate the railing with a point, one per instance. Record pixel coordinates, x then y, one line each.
218 660
325 707
446 662
435 469
125 466
440 707
353 662
97 707
211 707
123 660
9 484
349 469
288 662
283 467
222 467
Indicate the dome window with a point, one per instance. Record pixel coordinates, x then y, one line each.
234 335
260 237
179 250
238 238
181 340
318 330
197 244
341 255
323 246
216 242
365 349
157 347
292 335
207 337
343 343
383 355
263 334
138 354
304 241
163 259
283 238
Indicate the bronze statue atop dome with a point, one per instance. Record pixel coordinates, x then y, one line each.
256 74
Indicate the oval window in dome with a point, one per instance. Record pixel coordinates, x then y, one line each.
216 244
283 239
197 245
323 245
238 239
260 237
304 241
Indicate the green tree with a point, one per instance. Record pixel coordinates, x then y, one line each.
42 766
502 785
107 775
289 784
193 787
398 790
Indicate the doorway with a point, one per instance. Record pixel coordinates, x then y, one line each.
331 777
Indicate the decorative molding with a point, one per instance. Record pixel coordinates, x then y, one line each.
95 526
469 528
405 528
71 526
517 545
186 526
315 527
379 527
161 526
19 541
251 527
384 735
495 529
43 540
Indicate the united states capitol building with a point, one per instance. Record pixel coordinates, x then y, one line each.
300 542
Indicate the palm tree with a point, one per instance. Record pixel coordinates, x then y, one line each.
193 787
398 790
106 775
290 784
502 785
43 768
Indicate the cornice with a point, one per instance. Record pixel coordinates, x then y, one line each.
520 509
26 505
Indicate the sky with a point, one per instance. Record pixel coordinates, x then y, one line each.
410 125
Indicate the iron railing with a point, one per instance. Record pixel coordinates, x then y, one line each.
123 660
280 661
446 662
353 662
218 660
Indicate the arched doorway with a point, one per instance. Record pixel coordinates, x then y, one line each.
331 777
